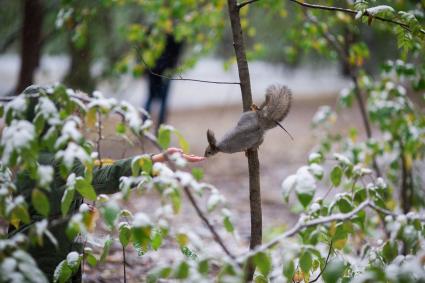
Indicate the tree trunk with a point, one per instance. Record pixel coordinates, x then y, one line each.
252 154
31 42
79 75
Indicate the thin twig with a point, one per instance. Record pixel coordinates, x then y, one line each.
123 264
206 221
326 264
353 13
180 78
99 137
333 42
242 4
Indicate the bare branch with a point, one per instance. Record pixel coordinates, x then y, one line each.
242 4
353 13
180 78
217 237
382 210
301 224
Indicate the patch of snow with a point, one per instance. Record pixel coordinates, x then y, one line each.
73 258
18 104
141 220
17 136
45 175
379 9
71 153
214 200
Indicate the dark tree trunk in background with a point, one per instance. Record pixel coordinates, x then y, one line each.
349 40
31 42
253 162
79 75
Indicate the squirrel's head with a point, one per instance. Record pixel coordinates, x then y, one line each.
212 144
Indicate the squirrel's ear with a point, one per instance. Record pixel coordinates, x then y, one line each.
211 138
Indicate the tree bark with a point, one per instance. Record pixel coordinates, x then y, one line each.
252 154
31 42
79 75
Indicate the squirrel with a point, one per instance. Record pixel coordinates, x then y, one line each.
252 125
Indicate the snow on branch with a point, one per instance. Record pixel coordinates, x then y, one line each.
368 13
302 224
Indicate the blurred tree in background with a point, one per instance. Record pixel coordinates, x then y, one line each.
122 34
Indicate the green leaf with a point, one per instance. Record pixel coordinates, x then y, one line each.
340 238
105 251
182 142
40 202
333 271
228 224
306 262
175 201
164 137
124 234
197 173
110 213
21 213
390 251
263 263
62 272
203 267
305 198
165 272
143 162
289 270
182 271
260 278
156 240
344 205
39 123
120 128
336 176
85 189
68 197
91 260
142 236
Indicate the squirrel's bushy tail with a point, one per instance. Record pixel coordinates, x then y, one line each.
277 105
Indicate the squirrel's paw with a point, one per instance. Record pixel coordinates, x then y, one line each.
254 107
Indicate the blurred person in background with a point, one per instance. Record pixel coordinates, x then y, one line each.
159 84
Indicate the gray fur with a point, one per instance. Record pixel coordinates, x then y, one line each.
252 125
